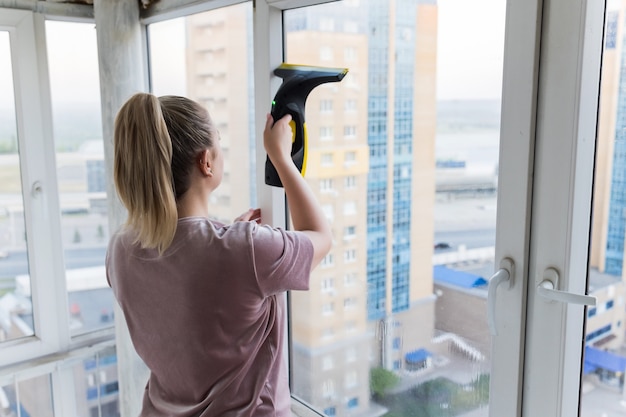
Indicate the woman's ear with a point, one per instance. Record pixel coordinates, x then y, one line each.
204 163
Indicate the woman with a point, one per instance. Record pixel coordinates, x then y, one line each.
202 300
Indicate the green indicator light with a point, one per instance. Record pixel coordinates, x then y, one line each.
273 102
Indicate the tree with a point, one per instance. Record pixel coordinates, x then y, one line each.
381 381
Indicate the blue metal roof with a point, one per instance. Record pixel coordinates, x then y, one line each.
457 278
597 358
417 356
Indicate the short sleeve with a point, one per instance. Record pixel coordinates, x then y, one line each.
282 259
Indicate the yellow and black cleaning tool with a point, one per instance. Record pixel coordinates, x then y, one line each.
298 81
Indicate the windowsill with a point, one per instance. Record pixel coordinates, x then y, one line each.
301 409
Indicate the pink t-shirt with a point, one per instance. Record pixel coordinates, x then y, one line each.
207 317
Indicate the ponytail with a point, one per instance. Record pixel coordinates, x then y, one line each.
142 171
156 142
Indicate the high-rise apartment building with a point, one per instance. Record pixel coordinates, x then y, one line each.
219 50
609 223
402 38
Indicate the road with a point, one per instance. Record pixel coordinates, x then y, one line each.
479 238
16 262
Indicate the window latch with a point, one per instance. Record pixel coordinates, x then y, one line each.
548 290
504 274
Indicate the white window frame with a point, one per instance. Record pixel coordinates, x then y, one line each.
569 81
39 190
570 68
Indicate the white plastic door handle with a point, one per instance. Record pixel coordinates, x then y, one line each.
504 274
547 289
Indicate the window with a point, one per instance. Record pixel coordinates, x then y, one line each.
326 184
353 403
350 279
326 106
381 191
329 211
349 53
327 159
349 132
327 260
350 106
326 133
350 158
328 308
349 303
75 92
328 285
15 293
349 208
326 53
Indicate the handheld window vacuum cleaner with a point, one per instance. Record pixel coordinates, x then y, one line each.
298 82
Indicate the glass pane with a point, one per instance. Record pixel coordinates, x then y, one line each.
403 155
207 57
31 397
605 353
97 387
74 83
16 318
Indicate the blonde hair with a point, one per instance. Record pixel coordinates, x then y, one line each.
156 142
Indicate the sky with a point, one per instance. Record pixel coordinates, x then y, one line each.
470 43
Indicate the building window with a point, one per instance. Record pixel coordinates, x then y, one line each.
349 232
349 208
349 303
350 106
327 260
353 403
591 312
326 106
349 132
350 182
351 355
327 159
330 411
328 308
326 53
326 133
350 158
349 255
328 211
349 53
396 343
350 279
328 388
609 304
328 284
326 184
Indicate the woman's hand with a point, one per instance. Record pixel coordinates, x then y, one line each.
252 215
277 139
